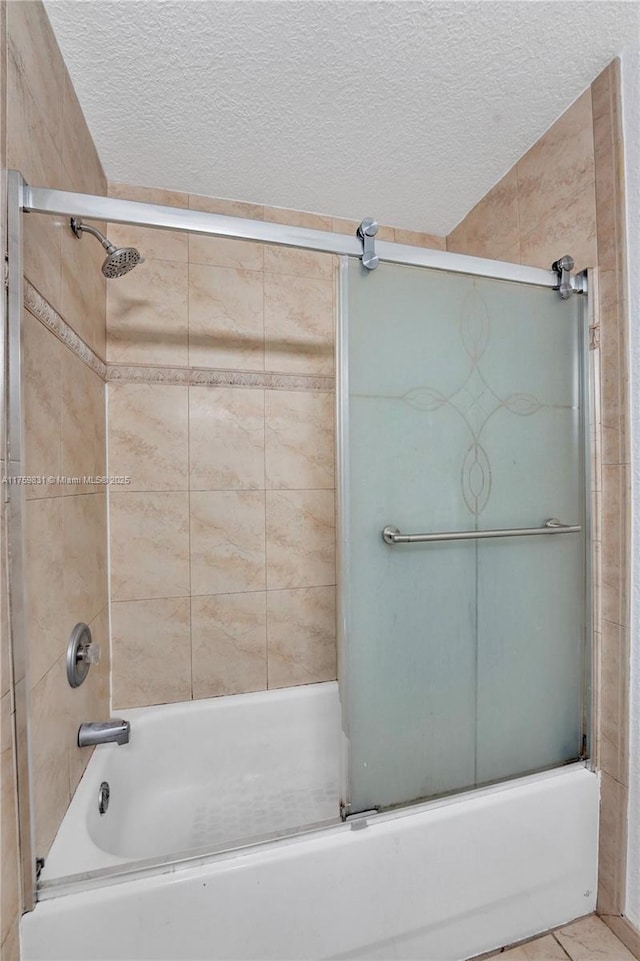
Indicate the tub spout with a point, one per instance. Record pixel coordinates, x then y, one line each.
116 731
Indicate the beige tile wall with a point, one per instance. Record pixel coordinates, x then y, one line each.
545 205
566 196
65 526
223 544
10 881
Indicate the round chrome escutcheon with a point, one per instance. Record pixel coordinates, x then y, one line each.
77 664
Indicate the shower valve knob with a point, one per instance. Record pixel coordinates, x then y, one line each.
90 654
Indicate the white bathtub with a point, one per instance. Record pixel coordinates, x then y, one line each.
445 880
206 774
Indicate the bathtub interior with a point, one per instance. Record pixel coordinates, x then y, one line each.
206 775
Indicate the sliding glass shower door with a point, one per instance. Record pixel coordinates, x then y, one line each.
463 660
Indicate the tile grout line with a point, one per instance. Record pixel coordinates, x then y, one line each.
518 233
190 595
562 947
201 490
189 518
264 476
108 533
169 597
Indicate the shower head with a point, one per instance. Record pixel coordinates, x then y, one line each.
119 260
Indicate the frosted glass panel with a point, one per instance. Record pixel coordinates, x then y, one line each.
462 662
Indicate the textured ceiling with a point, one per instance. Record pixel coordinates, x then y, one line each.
405 111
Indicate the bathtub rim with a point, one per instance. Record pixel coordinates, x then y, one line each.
183 861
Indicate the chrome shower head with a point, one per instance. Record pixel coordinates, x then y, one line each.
119 260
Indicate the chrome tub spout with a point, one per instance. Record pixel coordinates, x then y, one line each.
116 731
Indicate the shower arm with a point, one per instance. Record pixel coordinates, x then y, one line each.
78 226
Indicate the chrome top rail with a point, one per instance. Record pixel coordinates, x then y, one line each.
44 200
391 535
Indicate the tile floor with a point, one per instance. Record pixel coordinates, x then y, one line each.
588 939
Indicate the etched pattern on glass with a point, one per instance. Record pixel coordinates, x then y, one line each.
475 401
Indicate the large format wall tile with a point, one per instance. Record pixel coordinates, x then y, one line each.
229 644
228 208
418 238
31 43
568 228
149 545
79 155
83 294
227 541
148 315
151 651
300 439
611 850
298 263
299 324
613 545
610 367
48 621
152 243
221 252
11 945
613 701
149 195
83 423
31 150
42 379
300 538
82 257
149 436
492 225
85 556
226 323
50 755
10 887
226 438
558 166
301 636
297 218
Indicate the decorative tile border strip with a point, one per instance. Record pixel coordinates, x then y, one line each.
215 377
42 310
137 374
51 319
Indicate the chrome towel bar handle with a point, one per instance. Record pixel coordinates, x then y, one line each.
391 535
